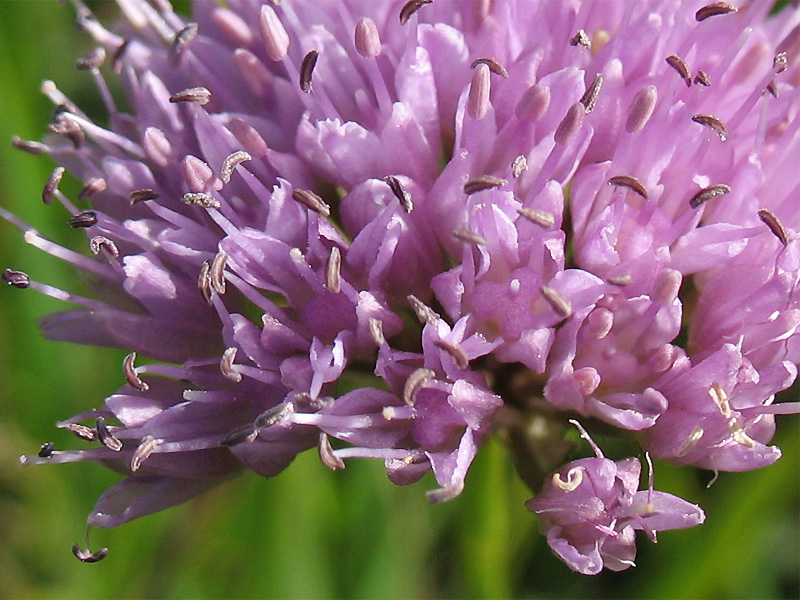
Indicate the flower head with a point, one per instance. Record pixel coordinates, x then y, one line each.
383 229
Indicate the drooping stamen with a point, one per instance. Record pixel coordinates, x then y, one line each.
570 124
204 282
456 351
581 38
469 237
89 557
142 195
16 278
424 313
216 273
182 39
484 182
200 199
415 381
518 166
82 220
310 200
714 9
333 275
198 94
273 415
106 437
557 302
702 78
541 218
46 450
781 62
708 193
93 60
101 243
400 193
329 459
231 162
677 63
367 38
226 365
142 452
714 123
589 97
771 220
479 90
94 186
307 70
130 373
410 7
493 64
273 34
630 182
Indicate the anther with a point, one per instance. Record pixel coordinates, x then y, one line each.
424 313
542 218
273 415
204 281
142 452
376 332
199 94
83 220
570 124
415 381
533 104
333 268
52 185
641 109
226 365
410 7
557 302
307 69
100 242
518 166
581 38
479 91
85 433
93 60
63 125
771 220
781 62
130 373
494 66
16 278
231 162
245 433
326 455
46 450
116 57
456 351
399 192
273 34
310 200
677 63
574 479
28 146
94 186
89 557
181 41
702 78
589 97
216 272
484 182
772 88
469 237
715 124
106 437
630 182
708 193
200 199
367 38
142 195
714 9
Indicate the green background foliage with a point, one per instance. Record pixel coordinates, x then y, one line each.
309 533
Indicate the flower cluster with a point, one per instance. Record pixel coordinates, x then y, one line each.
385 229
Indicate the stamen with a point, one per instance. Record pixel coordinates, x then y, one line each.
518 166
772 88
333 268
540 217
142 452
702 78
62 125
231 162
130 373
533 104
585 435
781 62
716 125
376 332
46 450
89 557
589 97
116 57
484 182
479 90
410 7
307 69
630 182
469 237
16 278
581 38
100 242
216 273
200 199
82 431
35 148
641 109
310 200
143 195
199 94
182 39
93 60
557 302
620 280
204 282
106 437
714 9
720 398
273 34
570 124
329 459
415 381
400 193
226 365
94 186
424 313
84 219
245 433
456 351
708 193
52 185
771 220
367 38
677 63
273 415
494 66
574 479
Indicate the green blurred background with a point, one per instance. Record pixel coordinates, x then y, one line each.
310 533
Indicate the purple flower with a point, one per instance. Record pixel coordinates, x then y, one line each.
384 229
